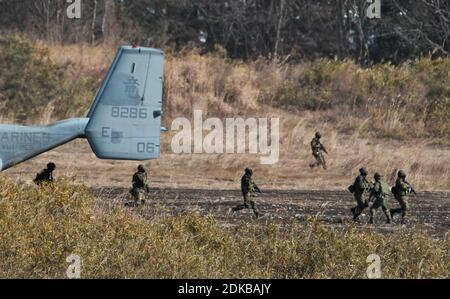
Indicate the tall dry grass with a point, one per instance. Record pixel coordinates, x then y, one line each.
41 227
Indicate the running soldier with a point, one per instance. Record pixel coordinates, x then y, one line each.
358 188
401 190
379 191
46 175
140 186
317 149
248 188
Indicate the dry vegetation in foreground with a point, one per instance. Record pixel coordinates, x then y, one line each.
385 117
40 227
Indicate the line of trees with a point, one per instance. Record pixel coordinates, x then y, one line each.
247 29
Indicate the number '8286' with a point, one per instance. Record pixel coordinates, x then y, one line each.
129 112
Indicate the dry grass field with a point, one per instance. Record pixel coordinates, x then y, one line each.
41 227
385 118
427 167
222 88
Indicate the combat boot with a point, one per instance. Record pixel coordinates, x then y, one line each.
391 214
388 218
131 204
356 214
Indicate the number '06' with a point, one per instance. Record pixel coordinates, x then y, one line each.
146 147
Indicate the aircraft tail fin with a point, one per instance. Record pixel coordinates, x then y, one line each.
20 143
125 118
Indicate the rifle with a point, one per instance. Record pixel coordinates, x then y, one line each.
323 148
369 186
257 188
411 189
371 196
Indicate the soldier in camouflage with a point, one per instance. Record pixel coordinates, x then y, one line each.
358 188
248 188
140 185
379 192
401 190
46 175
317 149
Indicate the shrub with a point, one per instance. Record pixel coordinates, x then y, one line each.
408 101
28 79
32 86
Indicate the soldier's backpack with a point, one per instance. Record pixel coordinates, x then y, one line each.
351 188
40 177
385 189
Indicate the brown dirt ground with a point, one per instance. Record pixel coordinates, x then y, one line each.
210 185
429 210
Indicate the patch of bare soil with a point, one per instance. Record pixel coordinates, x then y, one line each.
430 210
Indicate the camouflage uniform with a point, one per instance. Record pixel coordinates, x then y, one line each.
140 185
379 191
248 188
317 149
401 189
46 175
360 185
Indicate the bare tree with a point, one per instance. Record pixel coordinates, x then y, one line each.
94 18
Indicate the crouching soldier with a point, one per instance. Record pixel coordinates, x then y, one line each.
46 175
139 186
248 188
379 192
358 188
401 190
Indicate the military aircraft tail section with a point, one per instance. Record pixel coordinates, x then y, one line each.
125 119
20 143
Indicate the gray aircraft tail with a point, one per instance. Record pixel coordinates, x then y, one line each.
123 123
125 119
20 143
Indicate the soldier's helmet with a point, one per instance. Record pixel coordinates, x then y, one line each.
377 176
141 168
401 174
51 166
248 171
363 171
318 135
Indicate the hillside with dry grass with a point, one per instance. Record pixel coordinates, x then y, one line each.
384 117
